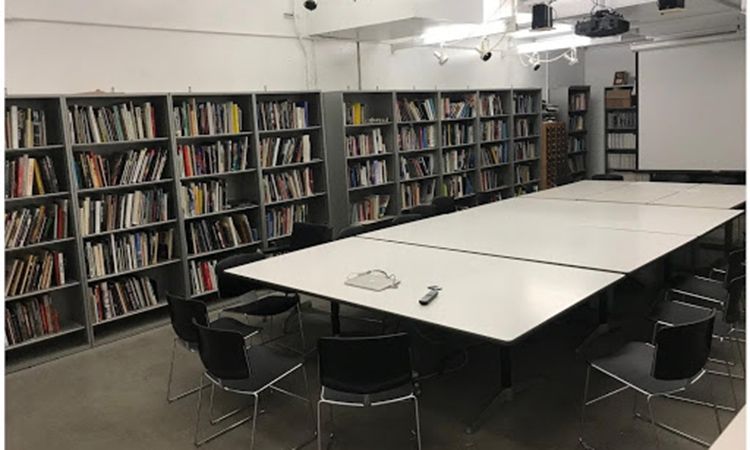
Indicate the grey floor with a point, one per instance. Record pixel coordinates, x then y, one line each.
113 397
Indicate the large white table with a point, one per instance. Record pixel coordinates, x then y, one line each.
733 436
579 190
640 192
718 196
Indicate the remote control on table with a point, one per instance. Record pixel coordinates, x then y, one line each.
430 296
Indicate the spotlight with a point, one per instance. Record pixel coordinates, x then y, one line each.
485 53
541 17
441 57
572 56
666 6
535 61
310 5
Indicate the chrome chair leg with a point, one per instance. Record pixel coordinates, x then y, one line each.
731 384
416 419
216 420
581 437
170 398
320 432
312 412
739 353
653 421
197 440
714 401
255 419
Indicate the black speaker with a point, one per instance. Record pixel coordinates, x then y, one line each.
541 17
671 5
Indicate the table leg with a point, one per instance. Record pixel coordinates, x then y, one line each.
604 301
504 392
335 320
728 236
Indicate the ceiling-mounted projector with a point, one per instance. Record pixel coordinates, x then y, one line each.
603 23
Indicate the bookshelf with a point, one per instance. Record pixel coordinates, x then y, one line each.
578 123
526 140
621 130
495 155
44 308
459 140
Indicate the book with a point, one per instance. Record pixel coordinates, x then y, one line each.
525 150
114 254
34 272
494 130
194 118
37 224
202 276
417 193
491 179
119 122
207 159
365 144
94 170
491 105
417 167
279 220
220 233
283 115
459 109
288 185
29 319
457 186
460 159
278 151
368 173
203 197
110 299
417 137
524 103
415 110
112 212
25 127
457 134
26 176
372 207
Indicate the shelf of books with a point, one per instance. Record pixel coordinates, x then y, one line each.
495 168
459 145
124 191
578 150
45 316
621 130
292 171
526 144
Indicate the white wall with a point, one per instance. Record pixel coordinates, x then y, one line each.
599 72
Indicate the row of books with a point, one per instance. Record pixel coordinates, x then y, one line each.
195 119
417 167
457 186
372 207
204 197
34 272
576 144
578 102
281 151
576 123
288 185
621 162
455 160
415 110
121 122
524 103
417 193
25 176
356 114
494 155
622 141
493 130
491 179
416 138
577 163
207 159
525 150
371 143
131 251
280 220
491 105
622 120
110 299
283 115
202 276
458 134
458 109
523 174
122 211
217 234
25 128
93 170
368 173
524 127
29 319
35 224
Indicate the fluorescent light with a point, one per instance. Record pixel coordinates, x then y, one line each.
523 18
458 32
554 44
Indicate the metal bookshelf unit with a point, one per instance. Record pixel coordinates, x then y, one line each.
526 140
578 142
459 132
495 154
621 130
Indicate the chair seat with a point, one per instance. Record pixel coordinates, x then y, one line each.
267 365
701 287
678 313
229 324
269 305
632 365
399 393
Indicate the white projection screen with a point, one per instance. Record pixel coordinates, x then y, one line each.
691 111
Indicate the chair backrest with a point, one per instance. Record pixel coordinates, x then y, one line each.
405 218
424 210
733 312
671 177
608 177
444 205
306 235
183 313
231 286
365 365
734 265
682 350
353 230
223 353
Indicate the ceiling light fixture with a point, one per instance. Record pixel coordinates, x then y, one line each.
484 50
441 56
310 5
572 56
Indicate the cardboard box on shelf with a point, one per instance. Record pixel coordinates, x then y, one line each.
619 98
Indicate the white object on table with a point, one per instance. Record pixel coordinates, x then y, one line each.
733 436
496 298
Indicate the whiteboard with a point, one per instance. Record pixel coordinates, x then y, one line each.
691 112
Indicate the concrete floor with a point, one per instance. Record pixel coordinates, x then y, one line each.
113 397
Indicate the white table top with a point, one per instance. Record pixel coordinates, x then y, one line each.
720 196
639 192
578 190
615 250
733 436
658 219
497 298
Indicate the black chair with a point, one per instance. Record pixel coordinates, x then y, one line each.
444 205
674 363
232 367
671 177
424 210
182 313
270 305
364 372
608 177
306 235
709 289
353 230
405 218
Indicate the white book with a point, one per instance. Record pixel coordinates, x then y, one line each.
14 127
148 119
306 148
93 124
128 211
113 248
139 122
